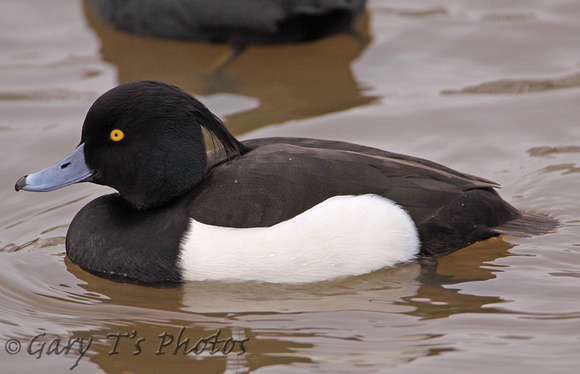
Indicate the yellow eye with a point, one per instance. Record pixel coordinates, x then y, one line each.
117 135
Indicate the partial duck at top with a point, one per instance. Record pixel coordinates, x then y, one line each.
284 210
238 23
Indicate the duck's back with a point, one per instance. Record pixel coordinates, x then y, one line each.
283 177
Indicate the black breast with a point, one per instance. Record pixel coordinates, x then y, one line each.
112 240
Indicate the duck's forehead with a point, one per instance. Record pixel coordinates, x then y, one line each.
99 119
112 111
141 107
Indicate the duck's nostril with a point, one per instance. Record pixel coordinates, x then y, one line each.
64 166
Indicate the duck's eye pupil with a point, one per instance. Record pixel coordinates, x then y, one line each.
117 135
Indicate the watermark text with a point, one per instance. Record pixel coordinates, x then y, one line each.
43 344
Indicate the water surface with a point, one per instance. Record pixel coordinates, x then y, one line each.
489 88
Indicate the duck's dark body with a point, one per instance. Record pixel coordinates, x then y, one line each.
282 177
145 140
277 179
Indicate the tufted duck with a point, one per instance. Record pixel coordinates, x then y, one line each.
288 210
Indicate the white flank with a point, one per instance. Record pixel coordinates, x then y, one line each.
342 236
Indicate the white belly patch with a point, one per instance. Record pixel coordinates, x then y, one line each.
342 236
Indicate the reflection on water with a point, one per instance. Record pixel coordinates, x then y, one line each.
283 324
511 299
291 82
513 86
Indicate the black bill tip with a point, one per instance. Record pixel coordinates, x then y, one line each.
20 183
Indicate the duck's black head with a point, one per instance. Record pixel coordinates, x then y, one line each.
143 139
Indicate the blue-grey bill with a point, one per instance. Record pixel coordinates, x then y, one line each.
71 169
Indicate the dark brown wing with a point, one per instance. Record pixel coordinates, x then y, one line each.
283 177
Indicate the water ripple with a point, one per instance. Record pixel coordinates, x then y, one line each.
519 86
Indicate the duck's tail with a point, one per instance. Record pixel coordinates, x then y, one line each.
527 225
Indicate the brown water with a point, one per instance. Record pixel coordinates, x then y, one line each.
491 88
